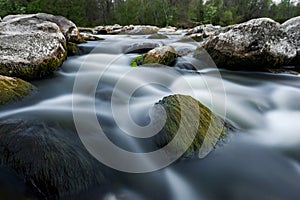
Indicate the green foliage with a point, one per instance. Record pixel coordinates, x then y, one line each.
183 13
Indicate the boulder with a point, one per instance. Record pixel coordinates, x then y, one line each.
205 30
143 30
13 88
253 45
164 55
181 116
30 47
49 157
292 28
67 27
85 30
169 31
90 37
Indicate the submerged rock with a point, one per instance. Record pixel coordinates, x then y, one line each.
13 88
181 112
253 45
164 55
49 157
292 28
30 47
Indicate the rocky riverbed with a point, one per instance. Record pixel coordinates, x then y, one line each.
39 142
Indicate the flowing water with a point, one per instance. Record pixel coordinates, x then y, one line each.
259 159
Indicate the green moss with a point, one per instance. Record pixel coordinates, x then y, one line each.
12 89
137 61
211 127
72 49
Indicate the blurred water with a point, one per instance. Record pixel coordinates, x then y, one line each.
258 160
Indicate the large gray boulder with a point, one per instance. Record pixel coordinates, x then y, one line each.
253 45
49 157
66 26
30 47
292 28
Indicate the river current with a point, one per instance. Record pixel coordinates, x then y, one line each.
259 158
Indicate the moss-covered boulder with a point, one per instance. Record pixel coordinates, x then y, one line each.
13 89
292 28
50 157
253 45
164 55
184 113
30 47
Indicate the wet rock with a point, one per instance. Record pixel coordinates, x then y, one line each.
204 30
13 89
49 157
72 49
111 30
30 47
90 37
181 117
164 55
169 31
253 45
143 30
101 30
141 47
292 28
85 30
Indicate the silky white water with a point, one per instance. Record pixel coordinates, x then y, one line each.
259 159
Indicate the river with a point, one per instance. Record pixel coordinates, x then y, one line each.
259 158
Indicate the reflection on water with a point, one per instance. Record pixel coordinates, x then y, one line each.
259 160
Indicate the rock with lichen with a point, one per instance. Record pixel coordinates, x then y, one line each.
253 45
49 157
12 89
164 55
30 47
194 124
292 28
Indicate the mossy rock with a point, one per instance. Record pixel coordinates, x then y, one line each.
137 61
12 89
211 127
72 49
49 157
165 55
